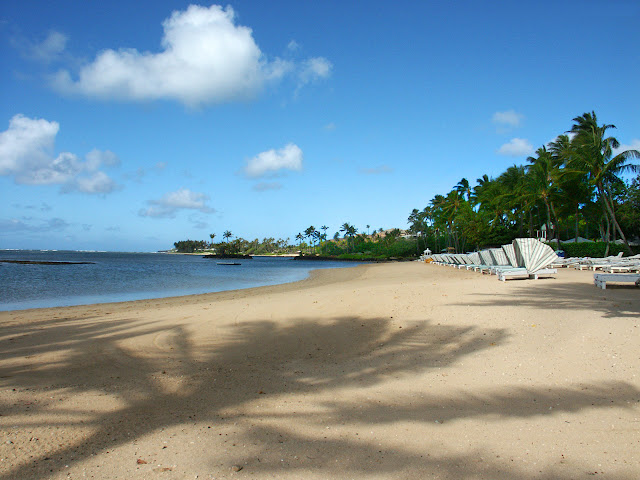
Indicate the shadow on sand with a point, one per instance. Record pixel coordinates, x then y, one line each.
265 358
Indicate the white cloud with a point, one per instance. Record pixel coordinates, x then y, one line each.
205 58
508 118
634 145
50 49
293 46
270 162
517 147
314 69
330 126
172 202
26 154
14 225
96 182
96 158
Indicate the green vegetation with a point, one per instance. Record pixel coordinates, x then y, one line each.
352 246
569 188
591 249
238 246
378 247
190 246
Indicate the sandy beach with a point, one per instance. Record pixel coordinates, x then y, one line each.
402 370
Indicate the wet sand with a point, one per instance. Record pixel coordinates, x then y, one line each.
400 370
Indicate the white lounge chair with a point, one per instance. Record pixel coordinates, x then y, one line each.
600 279
532 259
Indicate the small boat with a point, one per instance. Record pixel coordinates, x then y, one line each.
228 263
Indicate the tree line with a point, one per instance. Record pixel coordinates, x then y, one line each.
571 187
230 245
348 243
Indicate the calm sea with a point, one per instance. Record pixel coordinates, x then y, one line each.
117 277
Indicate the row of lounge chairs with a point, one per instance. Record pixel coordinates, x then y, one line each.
524 257
615 268
611 264
530 258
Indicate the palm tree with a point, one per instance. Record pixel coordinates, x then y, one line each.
349 232
324 228
593 154
299 237
310 234
481 184
573 183
317 237
463 188
418 224
227 235
513 182
212 235
542 176
450 207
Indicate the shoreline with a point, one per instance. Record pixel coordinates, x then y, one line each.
310 272
395 370
315 277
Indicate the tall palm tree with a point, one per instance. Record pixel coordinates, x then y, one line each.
349 232
593 154
542 174
463 188
212 235
227 235
310 234
324 228
450 207
513 197
574 186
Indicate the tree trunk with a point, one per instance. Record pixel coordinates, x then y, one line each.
613 218
546 204
606 236
557 229
577 231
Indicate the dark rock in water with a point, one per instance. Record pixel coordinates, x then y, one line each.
43 262
213 256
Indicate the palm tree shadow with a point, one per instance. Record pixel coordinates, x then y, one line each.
183 378
552 296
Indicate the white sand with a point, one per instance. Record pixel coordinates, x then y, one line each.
382 371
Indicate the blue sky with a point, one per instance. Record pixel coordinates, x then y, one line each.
130 125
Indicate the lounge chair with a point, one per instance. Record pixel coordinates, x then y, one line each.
532 259
500 261
600 279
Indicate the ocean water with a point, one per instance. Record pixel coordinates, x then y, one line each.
117 277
